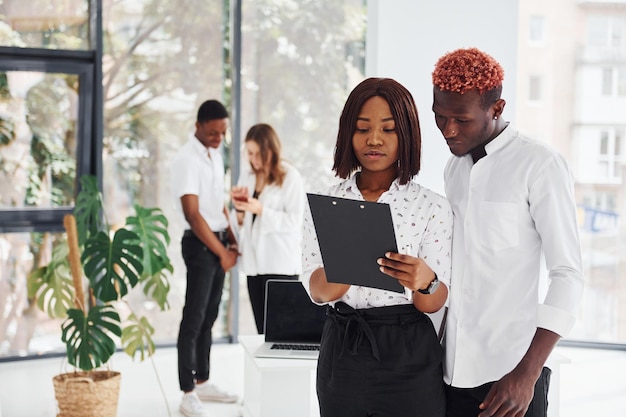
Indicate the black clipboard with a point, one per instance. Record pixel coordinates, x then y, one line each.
352 235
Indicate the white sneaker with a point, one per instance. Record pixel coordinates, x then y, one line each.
209 392
191 406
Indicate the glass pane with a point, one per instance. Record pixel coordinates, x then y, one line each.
318 48
24 328
604 143
585 136
597 30
51 24
38 113
607 81
621 81
161 61
617 33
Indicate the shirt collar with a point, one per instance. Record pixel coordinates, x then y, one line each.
351 187
199 147
494 145
500 141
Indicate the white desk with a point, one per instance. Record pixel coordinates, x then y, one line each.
277 387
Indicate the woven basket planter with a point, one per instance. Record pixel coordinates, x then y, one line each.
87 394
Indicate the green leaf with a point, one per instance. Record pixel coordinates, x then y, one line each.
157 287
137 338
89 208
88 338
52 285
7 126
112 266
151 226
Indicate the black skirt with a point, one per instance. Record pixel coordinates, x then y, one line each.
383 361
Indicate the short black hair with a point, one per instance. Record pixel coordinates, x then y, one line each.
211 110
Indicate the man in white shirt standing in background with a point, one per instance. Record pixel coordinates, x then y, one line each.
513 199
209 249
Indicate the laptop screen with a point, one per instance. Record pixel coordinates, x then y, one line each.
290 315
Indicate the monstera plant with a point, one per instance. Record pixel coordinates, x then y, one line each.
89 276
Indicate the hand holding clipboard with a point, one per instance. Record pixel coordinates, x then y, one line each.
352 235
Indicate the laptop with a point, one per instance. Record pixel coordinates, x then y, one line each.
293 323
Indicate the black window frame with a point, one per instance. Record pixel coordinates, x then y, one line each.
87 66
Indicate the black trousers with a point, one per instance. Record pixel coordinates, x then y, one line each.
205 282
464 402
376 362
256 292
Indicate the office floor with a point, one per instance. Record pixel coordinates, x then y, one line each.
592 384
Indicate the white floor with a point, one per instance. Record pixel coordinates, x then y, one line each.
26 388
592 384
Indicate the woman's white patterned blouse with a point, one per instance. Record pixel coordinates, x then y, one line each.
423 227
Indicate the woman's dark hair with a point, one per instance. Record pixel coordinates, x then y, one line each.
404 112
211 110
266 137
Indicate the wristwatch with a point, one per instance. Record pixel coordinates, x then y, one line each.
432 287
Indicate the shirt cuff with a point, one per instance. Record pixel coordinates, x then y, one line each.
554 319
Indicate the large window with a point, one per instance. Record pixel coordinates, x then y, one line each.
48 106
299 60
582 115
160 60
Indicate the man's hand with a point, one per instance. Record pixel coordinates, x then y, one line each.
510 396
229 260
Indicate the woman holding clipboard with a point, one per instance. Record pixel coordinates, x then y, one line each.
380 354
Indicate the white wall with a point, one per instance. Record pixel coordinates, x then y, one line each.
406 37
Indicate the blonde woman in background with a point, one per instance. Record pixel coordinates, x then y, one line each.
270 200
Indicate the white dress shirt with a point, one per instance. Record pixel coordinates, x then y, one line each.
423 226
194 172
271 243
511 205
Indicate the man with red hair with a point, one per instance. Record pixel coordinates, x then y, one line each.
513 200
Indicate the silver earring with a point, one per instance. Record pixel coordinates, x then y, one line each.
495 117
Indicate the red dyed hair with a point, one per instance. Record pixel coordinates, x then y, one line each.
467 69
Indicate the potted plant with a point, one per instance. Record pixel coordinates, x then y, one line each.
110 263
